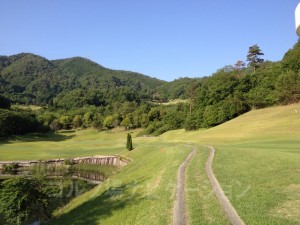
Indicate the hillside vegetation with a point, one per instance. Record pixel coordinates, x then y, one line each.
75 107
257 163
79 93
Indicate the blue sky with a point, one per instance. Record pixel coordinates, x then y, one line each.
166 39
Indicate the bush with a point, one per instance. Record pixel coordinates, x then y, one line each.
69 162
10 167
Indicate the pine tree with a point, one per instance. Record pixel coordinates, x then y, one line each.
253 57
129 142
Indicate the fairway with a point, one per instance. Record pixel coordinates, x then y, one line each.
63 144
257 163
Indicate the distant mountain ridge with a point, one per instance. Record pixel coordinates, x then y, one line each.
32 79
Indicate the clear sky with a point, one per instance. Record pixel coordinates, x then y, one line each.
166 39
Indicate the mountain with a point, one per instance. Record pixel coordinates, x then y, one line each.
31 79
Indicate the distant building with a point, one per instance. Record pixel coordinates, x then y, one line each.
297 17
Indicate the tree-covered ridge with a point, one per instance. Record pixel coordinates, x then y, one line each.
234 90
30 79
77 92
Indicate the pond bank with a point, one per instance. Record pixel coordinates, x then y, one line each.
99 160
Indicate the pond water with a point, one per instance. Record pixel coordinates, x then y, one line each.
90 177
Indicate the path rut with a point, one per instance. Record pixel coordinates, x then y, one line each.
179 209
230 211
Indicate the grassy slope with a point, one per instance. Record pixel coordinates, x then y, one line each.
141 193
257 163
147 185
65 144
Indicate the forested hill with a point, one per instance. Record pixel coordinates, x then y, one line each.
30 79
81 93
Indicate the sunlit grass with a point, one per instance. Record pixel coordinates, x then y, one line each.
64 144
143 192
257 162
202 205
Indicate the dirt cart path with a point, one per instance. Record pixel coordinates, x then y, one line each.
224 201
179 209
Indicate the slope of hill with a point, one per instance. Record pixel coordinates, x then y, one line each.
270 123
257 162
31 79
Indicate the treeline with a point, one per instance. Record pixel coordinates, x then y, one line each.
14 120
156 119
82 94
234 90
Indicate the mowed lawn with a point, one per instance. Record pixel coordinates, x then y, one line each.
63 144
142 192
257 163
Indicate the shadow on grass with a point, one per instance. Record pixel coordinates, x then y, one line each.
102 206
34 137
66 131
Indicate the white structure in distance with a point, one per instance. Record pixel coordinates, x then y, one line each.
297 17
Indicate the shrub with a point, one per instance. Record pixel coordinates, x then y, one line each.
10 167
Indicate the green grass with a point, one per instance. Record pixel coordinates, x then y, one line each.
202 205
257 163
32 107
175 101
256 178
64 144
143 192
171 102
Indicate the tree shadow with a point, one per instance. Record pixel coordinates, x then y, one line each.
102 206
35 137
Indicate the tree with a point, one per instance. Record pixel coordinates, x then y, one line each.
108 122
65 121
288 87
19 198
126 123
239 66
253 57
129 142
55 125
77 121
98 121
291 59
87 119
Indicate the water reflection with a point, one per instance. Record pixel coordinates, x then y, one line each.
91 177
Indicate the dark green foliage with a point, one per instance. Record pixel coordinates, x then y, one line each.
20 197
288 87
31 79
69 162
19 121
4 102
291 59
253 56
82 94
129 142
10 167
182 88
